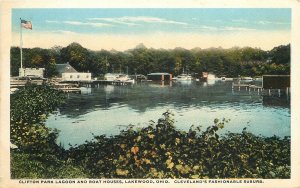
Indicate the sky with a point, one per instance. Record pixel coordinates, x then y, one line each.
123 28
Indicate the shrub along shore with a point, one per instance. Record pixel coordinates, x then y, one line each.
156 151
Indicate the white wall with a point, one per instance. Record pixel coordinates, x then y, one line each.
78 76
31 72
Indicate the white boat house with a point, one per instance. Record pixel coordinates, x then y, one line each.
68 73
31 72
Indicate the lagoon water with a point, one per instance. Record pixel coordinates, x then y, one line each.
108 109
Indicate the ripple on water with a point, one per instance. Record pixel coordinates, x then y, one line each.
107 111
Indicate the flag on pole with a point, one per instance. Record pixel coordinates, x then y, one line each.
26 24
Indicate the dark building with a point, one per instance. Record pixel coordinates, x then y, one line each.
276 81
159 76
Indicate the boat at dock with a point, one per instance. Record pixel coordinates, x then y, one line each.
224 78
118 77
123 78
247 78
184 77
111 76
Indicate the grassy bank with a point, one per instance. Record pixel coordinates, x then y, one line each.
156 151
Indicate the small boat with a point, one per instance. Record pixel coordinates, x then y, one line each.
122 78
118 77
111 76
13 90
246 78
184 77
125 78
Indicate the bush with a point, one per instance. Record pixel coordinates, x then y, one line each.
25 165
161 151
29 108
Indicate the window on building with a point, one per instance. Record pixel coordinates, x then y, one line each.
71 76
78 76
87 76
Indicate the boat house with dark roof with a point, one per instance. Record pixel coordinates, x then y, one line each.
159 76
68 73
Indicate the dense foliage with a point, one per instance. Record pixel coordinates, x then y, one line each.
231 62
30 107
156 151
161 151
42 165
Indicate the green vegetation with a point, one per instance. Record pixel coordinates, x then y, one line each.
161 151
42 165
30 107
231 62
156 151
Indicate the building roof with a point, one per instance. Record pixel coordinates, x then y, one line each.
159 73
65 68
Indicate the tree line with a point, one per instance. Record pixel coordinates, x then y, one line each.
246 61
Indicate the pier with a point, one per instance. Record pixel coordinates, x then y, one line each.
21 81
97 83
66 86
247 87
259 90
74 86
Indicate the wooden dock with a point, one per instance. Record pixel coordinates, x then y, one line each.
97 83
74 86
21 83
70 90
254 89
67 88
107 82
246 87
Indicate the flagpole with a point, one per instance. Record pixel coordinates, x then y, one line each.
21 43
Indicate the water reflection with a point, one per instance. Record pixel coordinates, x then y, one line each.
184 82
108 89
145 96
107 109
211 82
